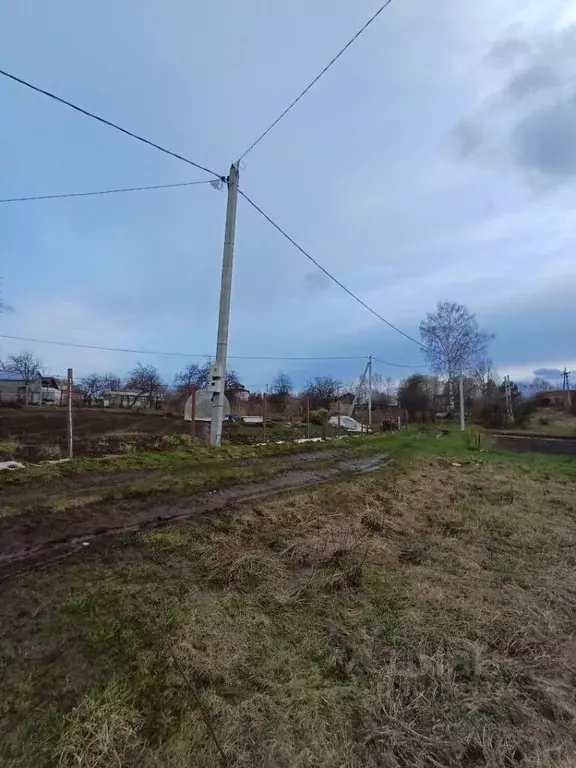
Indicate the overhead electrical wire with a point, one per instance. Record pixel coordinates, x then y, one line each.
102 192
397 365
329 274
318 76
109 123
169 354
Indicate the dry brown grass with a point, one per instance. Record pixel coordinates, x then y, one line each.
420 620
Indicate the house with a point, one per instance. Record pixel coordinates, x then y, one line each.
44 390
78 394
128 398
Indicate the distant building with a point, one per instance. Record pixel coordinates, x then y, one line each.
557 398
127 398
44 390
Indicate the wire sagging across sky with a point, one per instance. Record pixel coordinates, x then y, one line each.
398 365
171 354
109 123
329 274
103 192
318 76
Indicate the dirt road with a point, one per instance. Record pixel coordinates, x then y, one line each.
27 539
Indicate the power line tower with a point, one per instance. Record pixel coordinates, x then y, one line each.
365 378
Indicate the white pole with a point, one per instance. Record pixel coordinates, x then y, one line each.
69 404
219 377
462 415
370 392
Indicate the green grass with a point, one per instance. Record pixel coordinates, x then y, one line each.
417 617
174 460
457 446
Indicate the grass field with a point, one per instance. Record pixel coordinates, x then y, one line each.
422 616
553 422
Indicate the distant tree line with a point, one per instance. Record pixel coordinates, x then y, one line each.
453 344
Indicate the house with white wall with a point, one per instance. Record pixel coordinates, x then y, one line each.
44 390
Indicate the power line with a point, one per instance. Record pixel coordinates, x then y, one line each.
398 365
102 192
328 274
318 76
167 354
109 123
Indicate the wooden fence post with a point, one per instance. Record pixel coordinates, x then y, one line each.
69 430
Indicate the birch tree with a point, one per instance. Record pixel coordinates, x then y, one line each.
453 341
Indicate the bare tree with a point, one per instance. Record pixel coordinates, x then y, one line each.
415 395
484 376
282 384
146 380
91 386
390 386
540 384
198 376
453 341
321 390
111 382
95 385
27 367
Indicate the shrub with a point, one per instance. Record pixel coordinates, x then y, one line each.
50 451
319 417
8 448
473 440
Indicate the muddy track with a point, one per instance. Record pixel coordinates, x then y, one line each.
28 540
114 479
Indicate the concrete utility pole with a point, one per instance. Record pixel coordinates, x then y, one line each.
462 414
370 392
359 389
218 370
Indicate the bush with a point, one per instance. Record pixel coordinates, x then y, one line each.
473 440
319 417
51 451
9 449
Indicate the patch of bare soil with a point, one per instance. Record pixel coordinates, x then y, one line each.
28 538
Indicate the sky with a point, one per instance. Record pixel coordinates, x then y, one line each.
436 160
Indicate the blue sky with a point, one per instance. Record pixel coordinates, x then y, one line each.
435 160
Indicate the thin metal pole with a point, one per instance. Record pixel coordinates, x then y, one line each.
308 415
264 414
462 415
369 392
219 377
70 433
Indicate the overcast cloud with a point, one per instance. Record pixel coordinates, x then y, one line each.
436 160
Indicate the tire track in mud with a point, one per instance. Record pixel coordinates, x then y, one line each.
35 540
